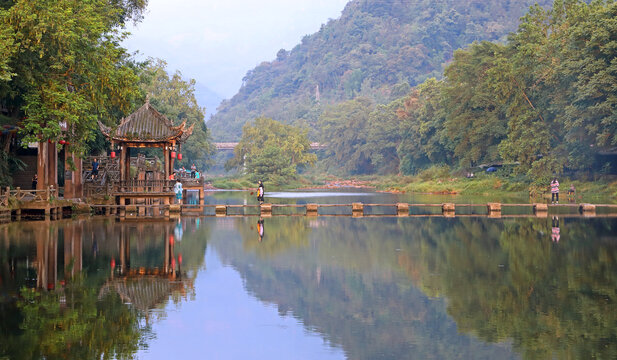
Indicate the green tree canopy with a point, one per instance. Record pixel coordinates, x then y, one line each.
272 151
64 64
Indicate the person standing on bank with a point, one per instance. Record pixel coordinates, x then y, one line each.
178 190
193 170
555 191
260 192
35 181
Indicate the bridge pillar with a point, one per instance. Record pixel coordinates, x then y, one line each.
312 209
494 210
265 209
587 209
357 209
448 208
221 210
402 209
541 210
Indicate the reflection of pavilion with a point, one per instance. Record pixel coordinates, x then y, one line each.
143 287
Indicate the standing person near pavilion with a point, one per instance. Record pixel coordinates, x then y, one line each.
555 191
178 190
193 170
95 168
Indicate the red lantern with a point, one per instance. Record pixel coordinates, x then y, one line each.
62 142
180 259
173 263
173 154
113 154
113 263
171 239
180 156
49 141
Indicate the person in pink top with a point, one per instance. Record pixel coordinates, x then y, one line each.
555 191
555 236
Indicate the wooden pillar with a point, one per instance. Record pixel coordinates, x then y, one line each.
52 168
69 187
78 181
166 162
202 196
121 165
73 250
41 166
166 260
127 163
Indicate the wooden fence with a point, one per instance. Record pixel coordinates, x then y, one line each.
19 195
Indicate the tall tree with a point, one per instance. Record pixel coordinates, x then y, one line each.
66 66
272 151
344 130
175 98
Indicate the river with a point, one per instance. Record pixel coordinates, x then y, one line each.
310 287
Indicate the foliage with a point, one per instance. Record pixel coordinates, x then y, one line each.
66 66
344 131
272 151
175 98
372 50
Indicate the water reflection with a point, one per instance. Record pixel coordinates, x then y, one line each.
440 288
390 288
87 288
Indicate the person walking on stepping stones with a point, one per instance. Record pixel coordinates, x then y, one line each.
260 192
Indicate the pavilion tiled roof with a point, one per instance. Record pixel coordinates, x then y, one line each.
147 125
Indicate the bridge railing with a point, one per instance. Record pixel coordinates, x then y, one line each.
20 195
143 186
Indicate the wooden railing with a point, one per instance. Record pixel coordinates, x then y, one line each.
20 195
144 186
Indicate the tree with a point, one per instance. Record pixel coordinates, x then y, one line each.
175 98
475 119
344 130
66 66
272 151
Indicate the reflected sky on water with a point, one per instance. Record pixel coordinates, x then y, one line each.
310 288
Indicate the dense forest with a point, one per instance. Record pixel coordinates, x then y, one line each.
62 63
376 49
542 100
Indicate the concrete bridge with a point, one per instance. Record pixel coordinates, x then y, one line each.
229 146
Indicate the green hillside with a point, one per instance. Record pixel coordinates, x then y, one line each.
376 49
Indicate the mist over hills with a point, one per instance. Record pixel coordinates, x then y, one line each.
376 49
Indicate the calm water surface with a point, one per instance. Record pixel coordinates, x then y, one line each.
310 288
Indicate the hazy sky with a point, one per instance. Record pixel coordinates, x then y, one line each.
217 41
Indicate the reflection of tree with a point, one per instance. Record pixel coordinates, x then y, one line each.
511 282
73 324
343 281
83 319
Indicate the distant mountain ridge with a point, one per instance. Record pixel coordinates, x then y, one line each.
376 49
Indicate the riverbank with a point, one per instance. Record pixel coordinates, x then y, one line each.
602 190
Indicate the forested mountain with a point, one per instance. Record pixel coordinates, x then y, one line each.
376 49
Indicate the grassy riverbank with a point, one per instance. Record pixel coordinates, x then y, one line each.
601 190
